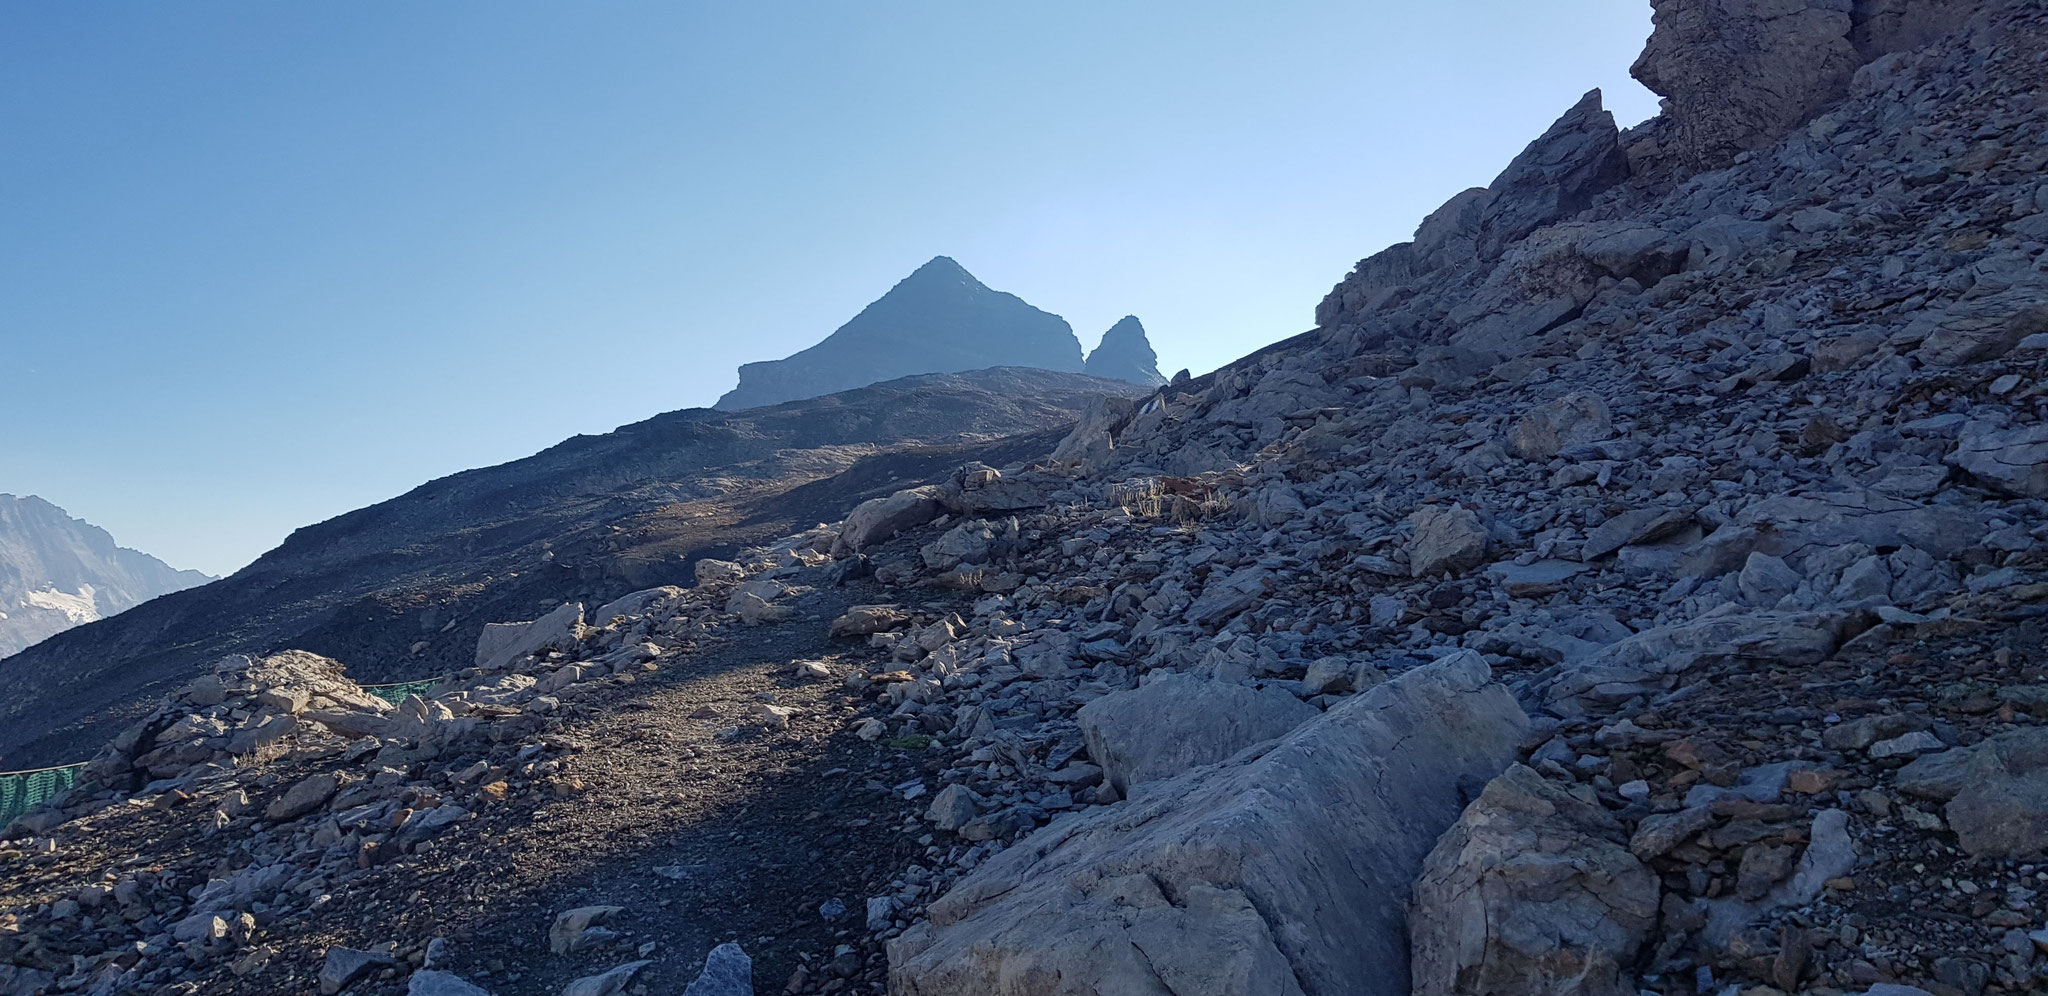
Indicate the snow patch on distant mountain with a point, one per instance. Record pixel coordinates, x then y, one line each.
80 608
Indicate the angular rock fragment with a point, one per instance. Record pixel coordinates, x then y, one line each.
1530 893
1572 420
1449 539
878 519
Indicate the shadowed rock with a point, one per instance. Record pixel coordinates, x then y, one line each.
1125 354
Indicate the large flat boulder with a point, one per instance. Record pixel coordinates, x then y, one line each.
502 643
1181 721
1282 871
1997 793
877 519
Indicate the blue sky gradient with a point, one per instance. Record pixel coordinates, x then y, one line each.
263 263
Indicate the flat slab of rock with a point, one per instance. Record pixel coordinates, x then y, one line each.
432 983
343 966
2012 460
1655 660
1179 721
502 643
1280 871
610 983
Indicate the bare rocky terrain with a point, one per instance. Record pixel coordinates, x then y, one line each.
402 588
1634 585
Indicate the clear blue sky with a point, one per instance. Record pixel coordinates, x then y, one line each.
262 263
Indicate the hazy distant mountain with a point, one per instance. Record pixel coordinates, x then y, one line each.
937 320
1125 354
57 572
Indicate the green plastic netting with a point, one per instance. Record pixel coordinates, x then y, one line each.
395 694
21 791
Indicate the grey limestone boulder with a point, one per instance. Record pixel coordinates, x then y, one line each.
1997 793
1531 893
1568 421
636 603
502 643
2011 460
877 519
434 983
1180 721
1656 660
727 972
1449 539
1280 871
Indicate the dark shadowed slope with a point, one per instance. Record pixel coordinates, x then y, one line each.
400 589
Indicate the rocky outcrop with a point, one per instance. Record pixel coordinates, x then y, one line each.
1531 893
937 320
1556 177
1125 354
57 572
1280 871
1740 73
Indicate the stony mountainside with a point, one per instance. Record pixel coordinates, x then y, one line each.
937 320
402 588
1635 584
1125 354
57 572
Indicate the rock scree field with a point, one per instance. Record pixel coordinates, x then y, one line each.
1634 584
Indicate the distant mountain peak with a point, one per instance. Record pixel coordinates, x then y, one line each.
1125 354
57 572
939 319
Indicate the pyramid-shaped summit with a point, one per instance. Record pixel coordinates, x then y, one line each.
940 319
1125 354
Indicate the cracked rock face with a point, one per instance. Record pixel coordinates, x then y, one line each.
1740 73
